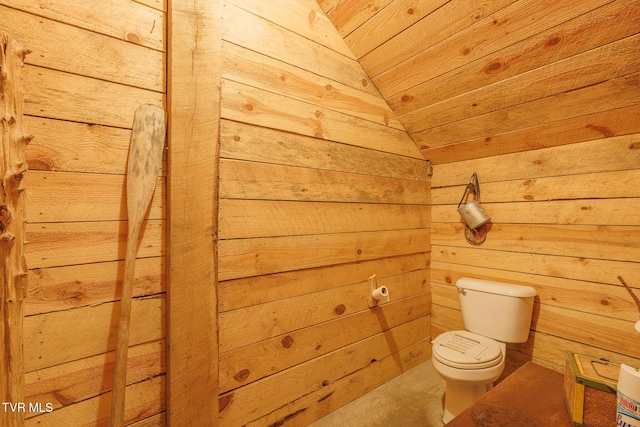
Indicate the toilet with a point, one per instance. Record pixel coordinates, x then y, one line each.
471 360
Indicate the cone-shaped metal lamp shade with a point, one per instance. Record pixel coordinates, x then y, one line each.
473 214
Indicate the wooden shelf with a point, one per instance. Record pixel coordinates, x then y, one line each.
531 396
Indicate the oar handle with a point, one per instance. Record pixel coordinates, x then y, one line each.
122 344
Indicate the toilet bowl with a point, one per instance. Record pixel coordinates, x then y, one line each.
471 360
469 363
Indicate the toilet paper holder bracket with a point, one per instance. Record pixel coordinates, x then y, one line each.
378 294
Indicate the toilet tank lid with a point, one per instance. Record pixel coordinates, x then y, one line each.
509 289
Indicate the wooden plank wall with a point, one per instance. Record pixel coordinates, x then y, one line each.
563 221
320 188
552 128
88 71
542 99
503 87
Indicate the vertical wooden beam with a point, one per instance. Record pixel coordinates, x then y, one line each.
193 56
13 266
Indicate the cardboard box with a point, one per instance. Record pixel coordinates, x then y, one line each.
590 390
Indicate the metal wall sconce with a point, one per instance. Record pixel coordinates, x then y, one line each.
474 216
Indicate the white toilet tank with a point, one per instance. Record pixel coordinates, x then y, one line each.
496 310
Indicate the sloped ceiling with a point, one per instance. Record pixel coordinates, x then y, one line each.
413 51
475 78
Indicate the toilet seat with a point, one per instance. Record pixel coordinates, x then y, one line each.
466 350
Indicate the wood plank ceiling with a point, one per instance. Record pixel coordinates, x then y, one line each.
477 78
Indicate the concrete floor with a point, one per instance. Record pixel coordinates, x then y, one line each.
411 399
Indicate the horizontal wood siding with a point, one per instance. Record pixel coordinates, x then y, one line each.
472 79
542 100
88 71
320 188
328 110
562 222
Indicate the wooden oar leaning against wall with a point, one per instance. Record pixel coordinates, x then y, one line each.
143 167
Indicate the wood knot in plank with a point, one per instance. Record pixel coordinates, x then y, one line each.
224 401
242 375
5 216
134 38
22 53
8 119
287 342
552 41
494 67
7 238
340 309
312 17
63 398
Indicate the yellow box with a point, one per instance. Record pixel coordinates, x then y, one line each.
590 390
